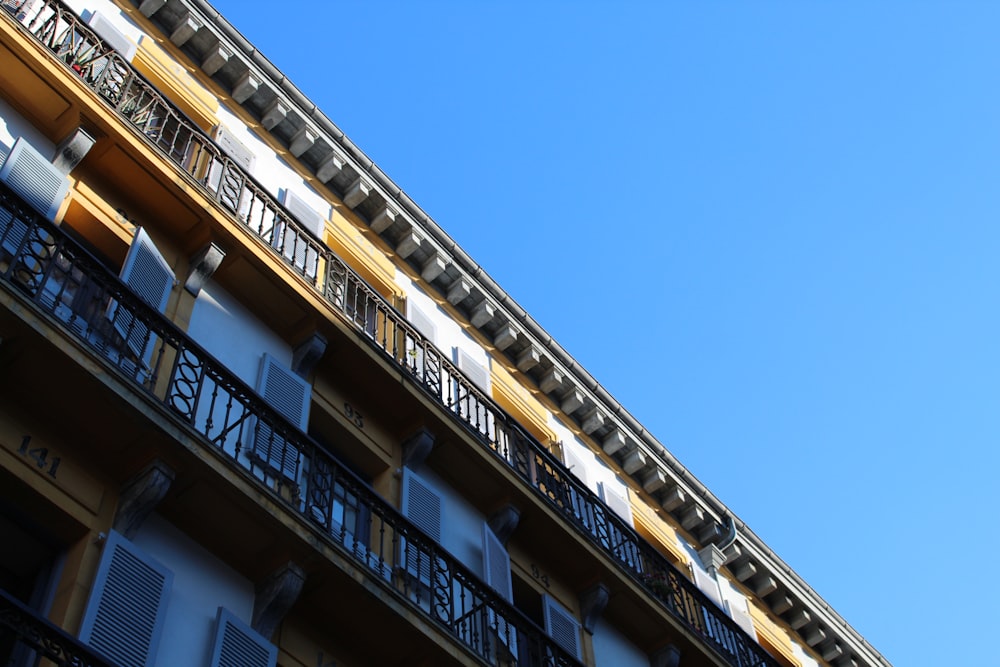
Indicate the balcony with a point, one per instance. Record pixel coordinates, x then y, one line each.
24 633
40 264
228 416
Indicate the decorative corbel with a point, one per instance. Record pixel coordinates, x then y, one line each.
668 656
203 266
592 605
140 496
504 522
275 596
307 355
417 448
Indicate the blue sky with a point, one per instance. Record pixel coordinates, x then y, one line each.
767 228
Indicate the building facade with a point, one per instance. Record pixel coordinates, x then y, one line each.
289 421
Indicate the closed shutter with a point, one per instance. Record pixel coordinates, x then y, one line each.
470 407
304 213
34 179
617 502
147 273
238 645
707 583
576 461
739 613
423 506
562 627
112 36
289 395
473 370
575 458
128 604
416 357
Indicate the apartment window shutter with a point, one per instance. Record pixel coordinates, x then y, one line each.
707 583
147 273
304 213
112 36
238 645
575 461
35 179
616 502
739 613
415 350
128 604
474 370
289 395
469 406
562 627
496 564
423 506
419 319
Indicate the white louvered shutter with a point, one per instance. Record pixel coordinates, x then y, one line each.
238 645
576 461
128 604
470 407
423 506
35 179
474 370
147 273
616 502
496 564
425 325
562 627
738 612
707 583
304 213
289 395
575 458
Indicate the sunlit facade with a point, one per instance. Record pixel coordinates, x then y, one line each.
259 409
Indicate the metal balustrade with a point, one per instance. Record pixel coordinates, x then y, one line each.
29 635
40 263
195 390
141 105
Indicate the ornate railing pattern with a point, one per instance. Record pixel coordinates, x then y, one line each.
196 392
39 262
39 636
141 105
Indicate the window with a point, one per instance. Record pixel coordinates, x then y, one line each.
238 645
128 604
289 395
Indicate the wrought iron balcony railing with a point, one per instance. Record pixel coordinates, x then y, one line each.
27 635
139 104
39 262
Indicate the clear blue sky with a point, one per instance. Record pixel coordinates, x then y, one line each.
768 228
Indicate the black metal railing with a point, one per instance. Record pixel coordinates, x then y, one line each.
141 105
42 264
27 635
